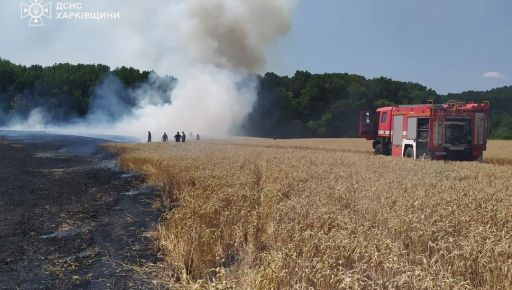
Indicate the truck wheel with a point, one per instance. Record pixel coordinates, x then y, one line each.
379 149
409 152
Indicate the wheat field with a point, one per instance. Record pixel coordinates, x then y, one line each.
246 213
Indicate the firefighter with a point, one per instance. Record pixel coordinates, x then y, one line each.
183 137
177 137
197 137
149 137
165 137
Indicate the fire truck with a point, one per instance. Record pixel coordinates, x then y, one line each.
452 131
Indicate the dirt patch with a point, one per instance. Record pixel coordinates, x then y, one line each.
64 220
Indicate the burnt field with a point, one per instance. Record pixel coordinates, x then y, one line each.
68 217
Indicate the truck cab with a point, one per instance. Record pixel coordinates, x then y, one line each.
376 126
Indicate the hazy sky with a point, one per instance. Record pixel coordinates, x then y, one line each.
448 45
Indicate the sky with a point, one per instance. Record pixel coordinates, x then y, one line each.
447 45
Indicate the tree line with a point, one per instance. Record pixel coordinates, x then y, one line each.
328 105
66 91
300 106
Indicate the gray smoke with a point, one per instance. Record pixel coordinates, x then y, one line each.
234 34
112 101
108 104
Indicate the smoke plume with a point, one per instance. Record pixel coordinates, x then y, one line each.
234 34
215 50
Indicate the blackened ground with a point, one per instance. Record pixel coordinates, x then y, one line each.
68 217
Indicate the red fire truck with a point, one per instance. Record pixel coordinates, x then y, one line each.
452 131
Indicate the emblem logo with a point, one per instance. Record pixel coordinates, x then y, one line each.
36 10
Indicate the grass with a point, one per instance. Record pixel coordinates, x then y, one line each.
252 213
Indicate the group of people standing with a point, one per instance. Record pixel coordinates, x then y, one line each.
178 137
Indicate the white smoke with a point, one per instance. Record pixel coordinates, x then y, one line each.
214 50
208 100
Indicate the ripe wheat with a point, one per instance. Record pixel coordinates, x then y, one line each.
326 214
